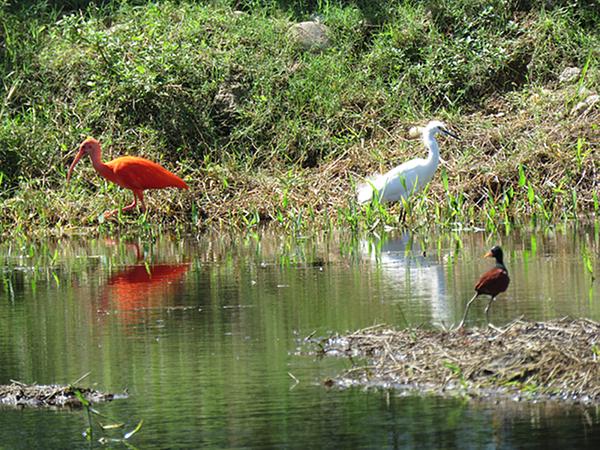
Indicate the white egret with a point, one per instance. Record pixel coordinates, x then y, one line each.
412 176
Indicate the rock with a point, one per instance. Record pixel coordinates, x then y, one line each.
310 35
414 132
227 99
584 107
569 75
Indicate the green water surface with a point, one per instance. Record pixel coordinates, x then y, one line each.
206 336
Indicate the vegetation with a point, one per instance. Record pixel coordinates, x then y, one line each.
525 360
266 132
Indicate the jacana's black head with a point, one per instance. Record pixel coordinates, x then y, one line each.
496 252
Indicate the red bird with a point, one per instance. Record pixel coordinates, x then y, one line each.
129 172
491 283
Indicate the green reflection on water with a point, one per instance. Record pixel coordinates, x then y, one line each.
204 333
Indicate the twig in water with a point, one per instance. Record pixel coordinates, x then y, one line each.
296 380
80 378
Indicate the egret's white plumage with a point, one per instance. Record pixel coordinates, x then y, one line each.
412 176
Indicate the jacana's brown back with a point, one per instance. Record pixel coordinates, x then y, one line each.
493 282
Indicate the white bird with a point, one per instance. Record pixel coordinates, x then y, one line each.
412 176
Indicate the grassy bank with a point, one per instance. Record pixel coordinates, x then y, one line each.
263 131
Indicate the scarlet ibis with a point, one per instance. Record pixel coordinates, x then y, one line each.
130 172
491 283
411 176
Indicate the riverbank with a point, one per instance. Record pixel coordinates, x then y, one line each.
265 132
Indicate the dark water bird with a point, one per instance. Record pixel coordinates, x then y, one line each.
492 283
130 172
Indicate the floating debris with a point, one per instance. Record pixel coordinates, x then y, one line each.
20 394
559 359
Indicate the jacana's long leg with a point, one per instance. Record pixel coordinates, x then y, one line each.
462 322
487 309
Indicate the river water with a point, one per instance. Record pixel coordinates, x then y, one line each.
206 336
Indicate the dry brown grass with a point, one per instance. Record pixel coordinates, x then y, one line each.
20 394
538 131
556 359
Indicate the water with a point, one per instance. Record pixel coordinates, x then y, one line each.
205 336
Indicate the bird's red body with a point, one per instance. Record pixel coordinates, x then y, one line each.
130 172
492 282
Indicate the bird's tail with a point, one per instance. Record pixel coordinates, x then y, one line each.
364 191
177 182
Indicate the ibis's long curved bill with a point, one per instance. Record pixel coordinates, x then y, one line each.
74 163
450 133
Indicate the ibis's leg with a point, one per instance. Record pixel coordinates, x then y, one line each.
487 309
126 208
462 322
136 195
140 196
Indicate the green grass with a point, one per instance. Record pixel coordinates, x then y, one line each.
150 79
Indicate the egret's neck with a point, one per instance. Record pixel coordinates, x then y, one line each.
434 150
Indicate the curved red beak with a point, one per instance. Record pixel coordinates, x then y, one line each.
74 163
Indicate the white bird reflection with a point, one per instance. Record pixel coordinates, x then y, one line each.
417 280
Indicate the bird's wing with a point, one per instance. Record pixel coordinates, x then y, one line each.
400 181
139 173
493 282
364 191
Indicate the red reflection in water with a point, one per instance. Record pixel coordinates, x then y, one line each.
138 288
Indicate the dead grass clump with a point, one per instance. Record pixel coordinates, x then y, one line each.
542 132
556 359
21 394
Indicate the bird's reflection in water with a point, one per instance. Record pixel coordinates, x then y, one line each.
138 289
417 279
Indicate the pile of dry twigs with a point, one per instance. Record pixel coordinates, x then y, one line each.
555 359
18 393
